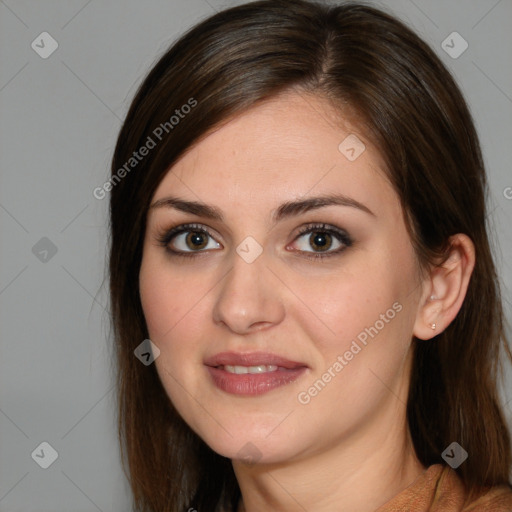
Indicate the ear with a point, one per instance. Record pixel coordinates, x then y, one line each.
444 289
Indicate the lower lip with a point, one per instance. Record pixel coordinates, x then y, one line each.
253 383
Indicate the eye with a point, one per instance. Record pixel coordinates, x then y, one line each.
187 239
323 239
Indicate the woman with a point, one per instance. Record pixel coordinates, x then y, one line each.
298 226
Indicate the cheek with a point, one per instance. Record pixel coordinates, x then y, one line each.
342 305
366 317
362 361
172 311
167 298
175 310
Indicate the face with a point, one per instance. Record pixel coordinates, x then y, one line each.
296 267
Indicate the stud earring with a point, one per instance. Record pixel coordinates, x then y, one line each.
433 297
433 327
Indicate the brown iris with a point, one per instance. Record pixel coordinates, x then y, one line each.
320 240
196 240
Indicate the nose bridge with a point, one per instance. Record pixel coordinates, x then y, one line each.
249 294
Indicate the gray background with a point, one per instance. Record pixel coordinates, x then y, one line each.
59 121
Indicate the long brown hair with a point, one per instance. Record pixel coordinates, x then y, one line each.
361 59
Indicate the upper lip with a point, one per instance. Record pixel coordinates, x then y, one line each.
251 359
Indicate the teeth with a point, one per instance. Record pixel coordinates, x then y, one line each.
250 369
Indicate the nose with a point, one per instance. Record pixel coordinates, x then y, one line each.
249 298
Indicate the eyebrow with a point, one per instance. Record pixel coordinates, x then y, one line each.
285 210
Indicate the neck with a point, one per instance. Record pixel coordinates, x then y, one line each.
360 473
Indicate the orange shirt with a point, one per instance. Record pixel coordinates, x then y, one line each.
439 489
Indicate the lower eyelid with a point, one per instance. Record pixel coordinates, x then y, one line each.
166 238
186 232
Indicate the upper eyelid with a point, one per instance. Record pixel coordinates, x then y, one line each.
191 226
185 228
173 232
303 230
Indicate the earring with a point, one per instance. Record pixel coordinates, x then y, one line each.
433 297
433 327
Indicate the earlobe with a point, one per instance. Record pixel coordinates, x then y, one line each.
445 289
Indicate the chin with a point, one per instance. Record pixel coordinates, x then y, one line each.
249 448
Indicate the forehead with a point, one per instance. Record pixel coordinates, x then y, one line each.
285 148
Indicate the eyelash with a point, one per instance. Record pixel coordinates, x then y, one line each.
342 236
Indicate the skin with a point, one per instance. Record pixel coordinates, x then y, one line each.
349 448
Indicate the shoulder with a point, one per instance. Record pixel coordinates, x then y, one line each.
494 499
486 499
439 488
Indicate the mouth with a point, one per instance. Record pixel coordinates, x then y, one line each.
252 373
255 370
